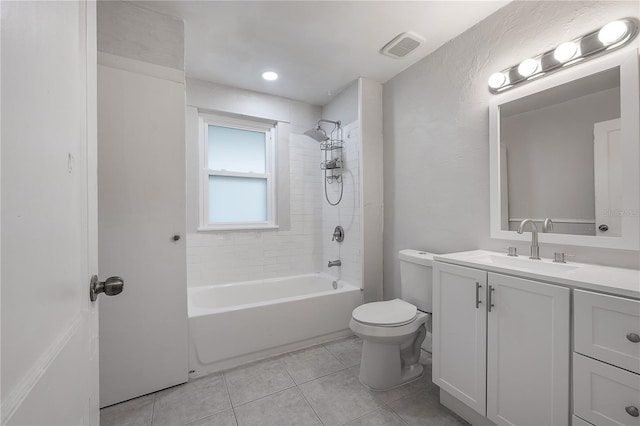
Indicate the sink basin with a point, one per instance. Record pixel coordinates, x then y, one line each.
544 266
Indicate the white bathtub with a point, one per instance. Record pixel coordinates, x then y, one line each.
235 323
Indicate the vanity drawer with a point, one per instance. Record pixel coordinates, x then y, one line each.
603 394
607 328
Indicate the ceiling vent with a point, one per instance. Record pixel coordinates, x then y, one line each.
402 45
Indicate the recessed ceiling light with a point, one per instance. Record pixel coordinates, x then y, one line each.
612 32
270 75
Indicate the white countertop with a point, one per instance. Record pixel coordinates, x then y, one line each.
606 279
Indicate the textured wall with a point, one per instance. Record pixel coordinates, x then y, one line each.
141 34
436 157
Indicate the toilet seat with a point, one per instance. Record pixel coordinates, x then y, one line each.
392 313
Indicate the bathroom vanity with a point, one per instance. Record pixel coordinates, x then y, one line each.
520 341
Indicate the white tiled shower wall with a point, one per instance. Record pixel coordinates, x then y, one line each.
227 257
346 214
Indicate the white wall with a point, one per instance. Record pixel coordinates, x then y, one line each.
539 143
372 196
296 248
436 156
342 108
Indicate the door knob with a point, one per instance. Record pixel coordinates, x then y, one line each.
111 287
632 411
633 337
603 228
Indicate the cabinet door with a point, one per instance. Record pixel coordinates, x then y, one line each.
460 333
528 352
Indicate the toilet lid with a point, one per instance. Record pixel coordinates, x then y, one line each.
390 313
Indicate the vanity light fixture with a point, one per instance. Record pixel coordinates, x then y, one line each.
527 67
612 32
497 80
565 52
610 37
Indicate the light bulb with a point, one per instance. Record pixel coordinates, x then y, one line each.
270 75
527 67
612 32
565 51
497 80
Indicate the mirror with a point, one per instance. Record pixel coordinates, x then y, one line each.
561 148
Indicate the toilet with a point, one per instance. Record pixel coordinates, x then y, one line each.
393 331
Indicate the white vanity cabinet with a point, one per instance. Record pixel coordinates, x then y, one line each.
501 345
606 361
460 333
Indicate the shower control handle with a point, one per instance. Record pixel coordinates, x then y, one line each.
338 234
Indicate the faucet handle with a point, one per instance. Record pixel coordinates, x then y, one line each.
558 257
511 251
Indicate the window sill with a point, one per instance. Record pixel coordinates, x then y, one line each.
237 228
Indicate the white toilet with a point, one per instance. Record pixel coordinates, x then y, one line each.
393 331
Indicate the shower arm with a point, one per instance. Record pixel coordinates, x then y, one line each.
335 123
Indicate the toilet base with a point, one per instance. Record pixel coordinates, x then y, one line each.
381 368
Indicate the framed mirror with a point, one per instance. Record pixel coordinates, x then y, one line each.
566 147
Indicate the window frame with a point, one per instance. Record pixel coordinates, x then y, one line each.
269 129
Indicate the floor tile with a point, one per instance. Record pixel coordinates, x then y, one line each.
424 409
136 412
348 351
382 417
192 401
339 398
256 380
311 363
223 418
396 393
284 408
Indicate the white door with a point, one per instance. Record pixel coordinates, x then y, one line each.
460 333
607 175
49 326
527 352
141 190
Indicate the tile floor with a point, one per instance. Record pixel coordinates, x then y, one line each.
314 386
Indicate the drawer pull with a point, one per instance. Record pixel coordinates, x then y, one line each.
632 411
633 337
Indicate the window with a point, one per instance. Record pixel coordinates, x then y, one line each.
238 165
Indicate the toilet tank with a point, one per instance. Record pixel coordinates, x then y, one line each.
416 278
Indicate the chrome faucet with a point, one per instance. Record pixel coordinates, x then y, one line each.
333 263
547 226
535 249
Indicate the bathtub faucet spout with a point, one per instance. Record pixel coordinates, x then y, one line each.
333 263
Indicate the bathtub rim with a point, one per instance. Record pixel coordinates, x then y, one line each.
345 287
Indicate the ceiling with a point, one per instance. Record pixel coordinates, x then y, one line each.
317 47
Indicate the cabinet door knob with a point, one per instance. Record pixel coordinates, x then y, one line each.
176 237
635 338
632 411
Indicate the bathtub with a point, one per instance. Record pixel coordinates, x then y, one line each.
232 324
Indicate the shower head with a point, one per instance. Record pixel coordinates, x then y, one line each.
317 134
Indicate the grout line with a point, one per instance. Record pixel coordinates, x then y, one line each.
226 387
303 395
153 408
